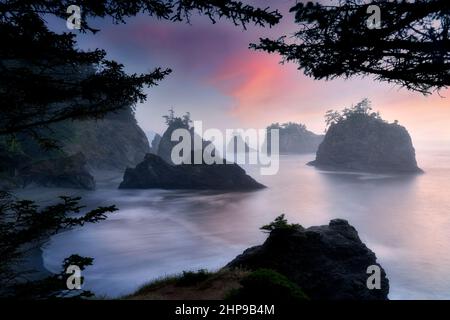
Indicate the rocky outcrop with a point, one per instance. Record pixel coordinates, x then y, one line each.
155 144
294 138
166 144
112 143
367 143
327 262
237 144
154 172
63 172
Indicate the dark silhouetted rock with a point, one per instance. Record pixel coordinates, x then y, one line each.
294 138
367 143
63 172
327 262
154 172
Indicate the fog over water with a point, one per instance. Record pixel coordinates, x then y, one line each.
405 220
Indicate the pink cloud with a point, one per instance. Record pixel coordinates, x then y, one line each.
259 86
263 91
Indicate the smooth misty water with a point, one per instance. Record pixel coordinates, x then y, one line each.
404 220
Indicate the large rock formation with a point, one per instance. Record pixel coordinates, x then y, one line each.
155 144
154 172
327 262
294 138
166 144
63 172
112 143
237 145
362 141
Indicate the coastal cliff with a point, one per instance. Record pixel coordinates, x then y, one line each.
112 143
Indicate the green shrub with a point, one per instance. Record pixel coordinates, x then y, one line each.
267 285
280 222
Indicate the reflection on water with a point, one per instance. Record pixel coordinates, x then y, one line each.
404 219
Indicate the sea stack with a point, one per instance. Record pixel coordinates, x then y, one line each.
360 140
294 138
154 172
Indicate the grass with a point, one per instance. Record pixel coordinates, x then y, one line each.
267 285
190 278
230 284
191 285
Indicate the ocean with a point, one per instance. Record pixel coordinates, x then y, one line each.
405 220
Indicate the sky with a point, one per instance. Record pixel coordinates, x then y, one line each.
226 85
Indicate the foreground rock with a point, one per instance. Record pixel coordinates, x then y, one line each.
154 172
362 141
64 172
326 262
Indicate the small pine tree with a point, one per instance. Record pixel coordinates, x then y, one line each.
170 117
280 222
187 119
361 109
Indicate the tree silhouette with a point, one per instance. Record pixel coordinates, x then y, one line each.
411 48
362 110
23 225
171 119
45 79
